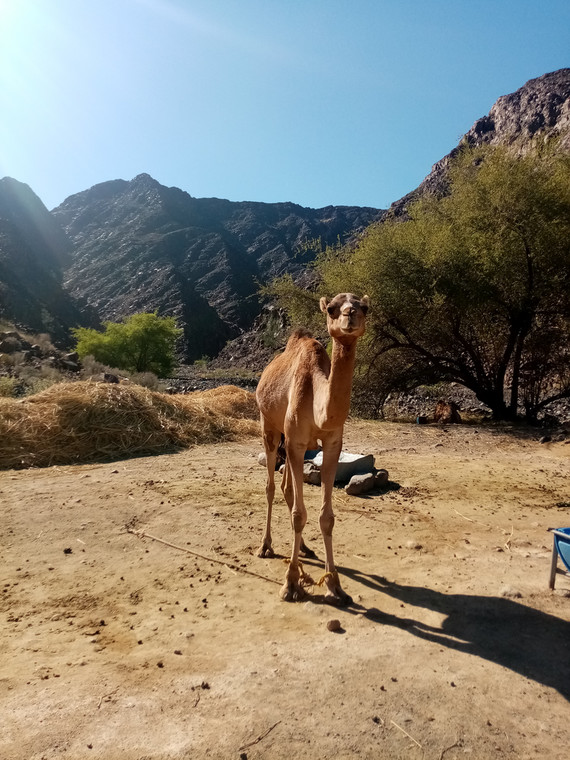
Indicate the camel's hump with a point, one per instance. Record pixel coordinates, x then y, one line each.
298 335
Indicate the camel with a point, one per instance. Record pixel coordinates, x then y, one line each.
306 396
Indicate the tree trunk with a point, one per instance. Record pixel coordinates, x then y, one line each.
494 399
524 331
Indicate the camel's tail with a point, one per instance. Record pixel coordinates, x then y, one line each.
281 453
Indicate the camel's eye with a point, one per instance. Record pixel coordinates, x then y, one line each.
331 310
364 308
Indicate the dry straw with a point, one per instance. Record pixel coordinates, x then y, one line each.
85 421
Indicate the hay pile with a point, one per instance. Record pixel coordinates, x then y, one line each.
85 421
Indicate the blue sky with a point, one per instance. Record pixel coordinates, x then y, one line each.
343 102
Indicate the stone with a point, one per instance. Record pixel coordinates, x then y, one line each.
69 366
311 474
510 593
348 464
10 345
361 483
380 478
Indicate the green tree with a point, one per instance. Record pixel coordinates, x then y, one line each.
474 287
140 343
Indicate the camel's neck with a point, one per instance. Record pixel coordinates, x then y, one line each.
339 383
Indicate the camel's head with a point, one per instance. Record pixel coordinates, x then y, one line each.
346 315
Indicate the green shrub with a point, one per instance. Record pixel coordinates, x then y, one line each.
140 343
8 386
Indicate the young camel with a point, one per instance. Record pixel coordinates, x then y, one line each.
305 395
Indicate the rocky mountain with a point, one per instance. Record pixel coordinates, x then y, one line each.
536 115
127 246
33 253
140 246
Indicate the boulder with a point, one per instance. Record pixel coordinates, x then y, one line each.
311 474
69 366
10 344
348 464
380 478
360 484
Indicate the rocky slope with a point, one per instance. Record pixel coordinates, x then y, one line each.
536 115
33 252
140 246
127 246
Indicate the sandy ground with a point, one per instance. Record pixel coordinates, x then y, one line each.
113 646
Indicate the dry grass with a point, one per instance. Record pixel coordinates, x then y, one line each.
85 421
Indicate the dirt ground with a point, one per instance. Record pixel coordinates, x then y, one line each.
114 646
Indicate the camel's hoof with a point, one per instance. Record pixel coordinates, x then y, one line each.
292 592
265 551
338 597
304 551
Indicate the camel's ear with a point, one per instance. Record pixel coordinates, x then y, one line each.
365 301
324 303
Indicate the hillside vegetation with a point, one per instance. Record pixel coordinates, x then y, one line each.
472 287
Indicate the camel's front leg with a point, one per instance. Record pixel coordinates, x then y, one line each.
287 488
292 590
331 451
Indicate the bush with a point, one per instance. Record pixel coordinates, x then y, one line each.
473 287
147 380
140 343
8 387
92 369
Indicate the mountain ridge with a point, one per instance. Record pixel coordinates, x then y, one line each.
33 252
198 259
123 246
535 115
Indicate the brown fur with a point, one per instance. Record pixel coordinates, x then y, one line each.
306 396
447 413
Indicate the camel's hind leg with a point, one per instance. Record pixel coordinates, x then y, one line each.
293 591
271 439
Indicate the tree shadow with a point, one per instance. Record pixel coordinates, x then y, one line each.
527 641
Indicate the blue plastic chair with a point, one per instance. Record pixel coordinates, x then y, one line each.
560 548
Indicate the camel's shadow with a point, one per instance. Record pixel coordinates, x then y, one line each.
527 641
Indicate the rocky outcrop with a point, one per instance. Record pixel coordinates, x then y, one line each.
536 115
33 250
140 246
